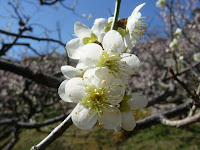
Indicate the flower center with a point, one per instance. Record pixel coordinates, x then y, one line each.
109 61
95 98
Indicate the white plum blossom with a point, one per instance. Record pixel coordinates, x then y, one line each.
97 84
161 3
178 32
122 65
197 57
85 35
135 28
174 44
97 95
131 29
128 105
181 57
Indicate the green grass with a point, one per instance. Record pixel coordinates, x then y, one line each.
157 137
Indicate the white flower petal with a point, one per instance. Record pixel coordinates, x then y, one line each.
132 63
111 120
103 73
131 23
100 36
99 25
128 43
124 78
128 121
116 92
90 78
137 101
62 93
137 9
90 56
73 48
75 90
133 18
82 118
70 72
81 30
113 42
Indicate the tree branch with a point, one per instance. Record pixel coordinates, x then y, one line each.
57 132
179 123
32 37
36 76
116 14
194 96
155 119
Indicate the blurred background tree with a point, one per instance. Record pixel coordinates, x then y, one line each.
33 35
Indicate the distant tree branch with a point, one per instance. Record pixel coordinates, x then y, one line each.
13 140
41 124
32 37
36 76
193 95
184 71
162 97
49 2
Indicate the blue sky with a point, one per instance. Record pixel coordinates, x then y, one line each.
49 16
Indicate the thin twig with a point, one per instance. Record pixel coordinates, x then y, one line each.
31 37
57 132
193 96
116 14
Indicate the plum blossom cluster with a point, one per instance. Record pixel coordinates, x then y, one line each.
174 45
98 82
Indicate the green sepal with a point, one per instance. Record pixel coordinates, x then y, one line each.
93 37
86 40
124 107
121 31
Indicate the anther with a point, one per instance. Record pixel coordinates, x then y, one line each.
119 85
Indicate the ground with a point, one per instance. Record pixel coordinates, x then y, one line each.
158 137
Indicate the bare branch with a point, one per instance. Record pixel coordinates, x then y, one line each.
14 139
184 71
155 119
32 37
194 96
36 76
44 2
57 132
162 97
179 123
41 124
